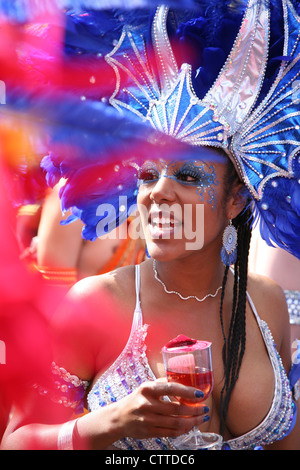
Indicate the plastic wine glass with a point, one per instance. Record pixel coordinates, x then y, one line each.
189 362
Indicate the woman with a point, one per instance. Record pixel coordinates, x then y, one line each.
142 414
244 317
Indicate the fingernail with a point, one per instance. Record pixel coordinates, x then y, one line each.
205 418
199 394
206 409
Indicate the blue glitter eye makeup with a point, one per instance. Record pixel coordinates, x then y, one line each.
193 173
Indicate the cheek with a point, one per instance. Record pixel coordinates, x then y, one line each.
215 219
205 197
143 202
143 195
211 198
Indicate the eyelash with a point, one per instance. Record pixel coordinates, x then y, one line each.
188 172
151 175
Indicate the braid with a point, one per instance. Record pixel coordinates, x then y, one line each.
234 345
221 309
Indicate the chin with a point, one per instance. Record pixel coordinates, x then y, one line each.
165 250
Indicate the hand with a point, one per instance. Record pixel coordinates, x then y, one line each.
144 413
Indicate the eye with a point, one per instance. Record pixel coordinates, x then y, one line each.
189 174
147 175
194 175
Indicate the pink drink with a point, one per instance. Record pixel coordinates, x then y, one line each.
201 379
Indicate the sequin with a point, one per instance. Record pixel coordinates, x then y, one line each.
68 390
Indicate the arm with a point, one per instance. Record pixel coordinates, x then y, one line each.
79 329
59 245
62 246
141 414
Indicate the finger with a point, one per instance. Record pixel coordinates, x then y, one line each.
179 409
159 388
176 426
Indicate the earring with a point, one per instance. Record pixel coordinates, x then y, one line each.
229 248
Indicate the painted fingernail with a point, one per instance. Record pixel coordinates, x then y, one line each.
205 418
206 409
199 394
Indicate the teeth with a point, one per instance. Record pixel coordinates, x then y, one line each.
162 221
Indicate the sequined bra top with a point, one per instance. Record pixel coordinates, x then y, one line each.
132 368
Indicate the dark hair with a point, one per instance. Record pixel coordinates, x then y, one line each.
234 344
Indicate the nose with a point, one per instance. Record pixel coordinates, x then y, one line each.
163 190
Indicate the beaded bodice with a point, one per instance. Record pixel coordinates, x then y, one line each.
132 368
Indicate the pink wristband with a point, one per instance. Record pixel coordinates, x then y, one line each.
65 436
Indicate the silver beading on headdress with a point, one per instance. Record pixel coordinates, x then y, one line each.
262 142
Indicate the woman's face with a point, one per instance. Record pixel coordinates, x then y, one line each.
181 205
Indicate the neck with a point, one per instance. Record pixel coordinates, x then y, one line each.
191 276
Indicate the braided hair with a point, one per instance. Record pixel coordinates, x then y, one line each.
235 342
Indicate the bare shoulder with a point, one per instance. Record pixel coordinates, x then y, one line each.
113 283
94 294
94 322
270 303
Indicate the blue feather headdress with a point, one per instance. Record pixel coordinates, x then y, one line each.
204 74
257 128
